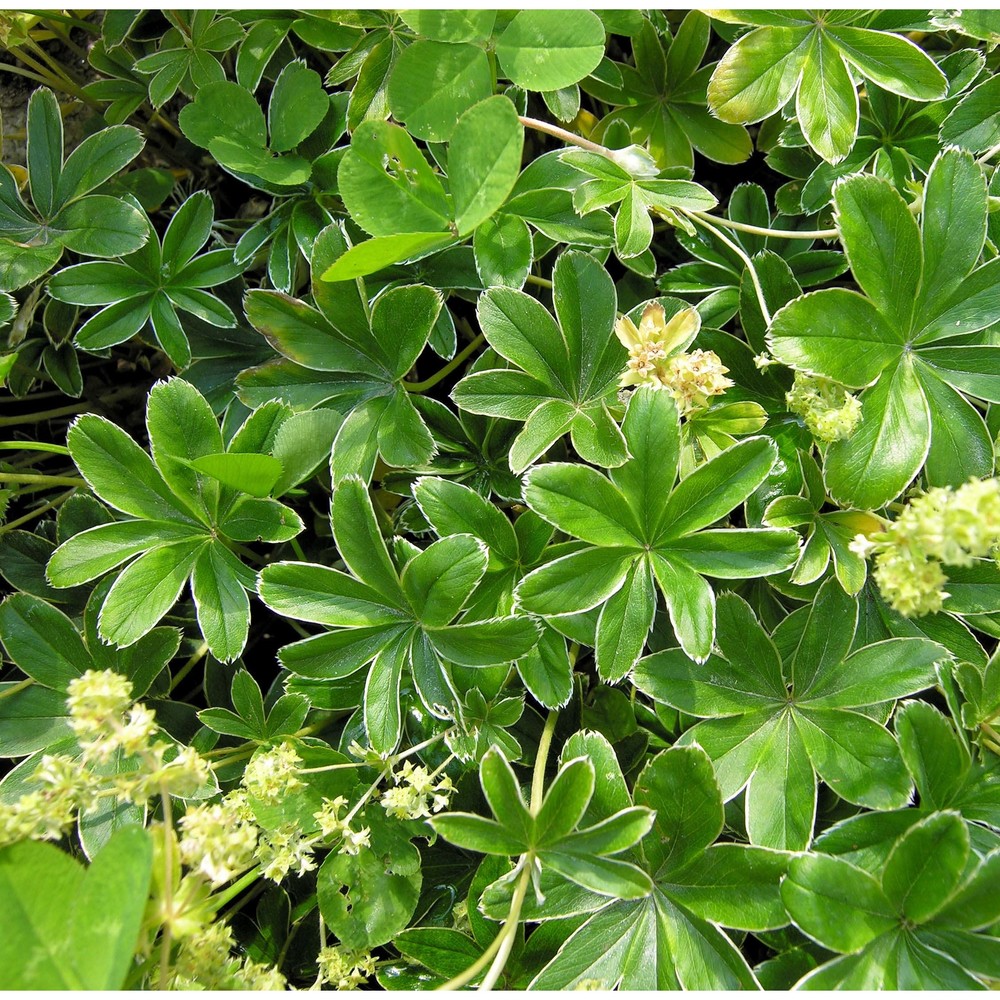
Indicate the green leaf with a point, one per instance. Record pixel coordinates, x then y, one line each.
55 932
456 509
44 149
836 904
690 603
298 105
42 641
373 255
253 474
716 487
545 50
679 784
383 720
734 885
182 428
503 793
97 159
758 74
855 756
224 110
121 473
503 247
368 917
31 719
146 590
360 541
781 794
434 83
484 644
221 601
938 760
835 333
442 950
565 802
451 25
926 865
476 833
624 624
882 671
573 583
439 580
888 448
484 160
583 503
895 63
827 103
388 186
882 243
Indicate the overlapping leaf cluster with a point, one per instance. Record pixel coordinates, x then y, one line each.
467 455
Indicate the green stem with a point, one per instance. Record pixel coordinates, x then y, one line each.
17 477
37 418
444 372
16 688
741 253
192 662
541 282
785 234
244 881
560 133
166 933
52 449
497 953
51 15
37 512
989 154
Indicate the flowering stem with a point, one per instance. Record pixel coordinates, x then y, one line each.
699 218
444 372
168 888
247 879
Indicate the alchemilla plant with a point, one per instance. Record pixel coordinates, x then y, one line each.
500 500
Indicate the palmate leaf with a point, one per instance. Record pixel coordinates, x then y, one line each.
565 370
639 526
64 212
153 284
911 928
394 620
672 939
181 524
809 56
662 98
922 289
780 708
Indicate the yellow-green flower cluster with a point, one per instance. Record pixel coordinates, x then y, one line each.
271 774
219 840
332 825
944 527
416 794
105 723
656 359
205 962
830 412
344 969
